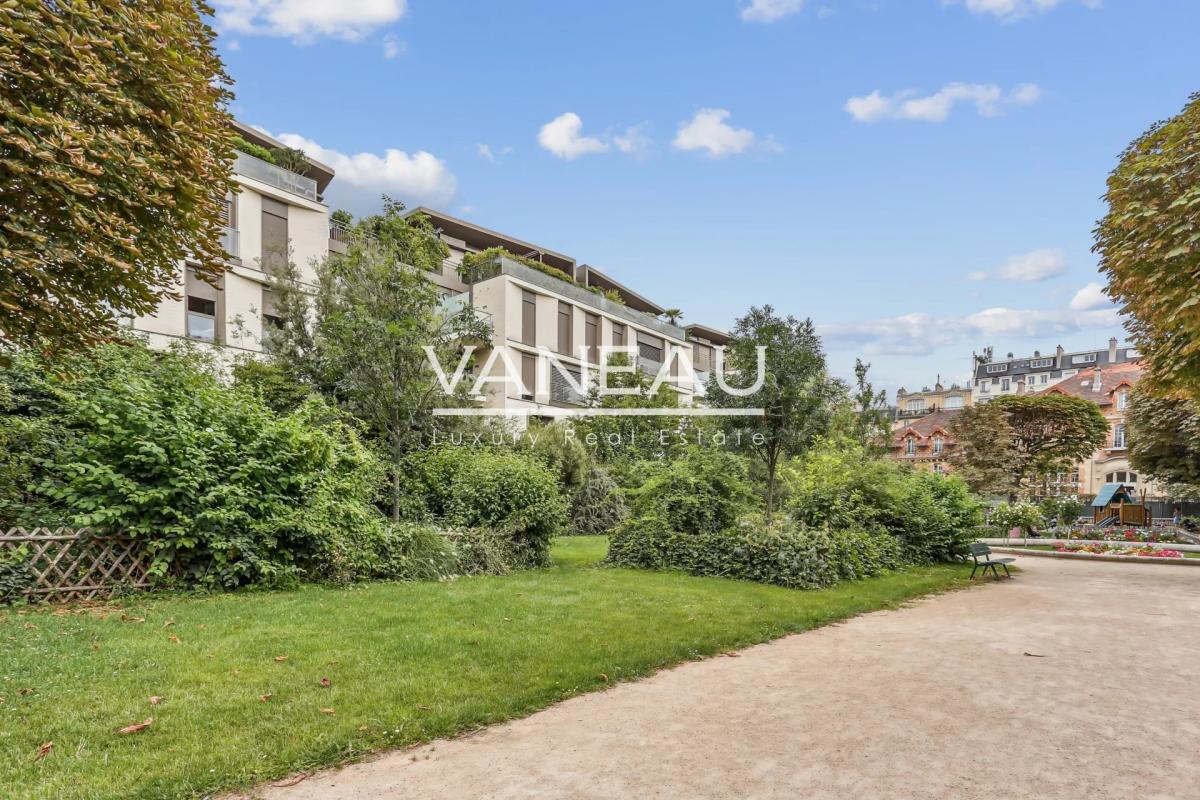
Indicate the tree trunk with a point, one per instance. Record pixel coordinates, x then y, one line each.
770 489
396 479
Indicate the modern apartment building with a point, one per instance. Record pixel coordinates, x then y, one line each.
1108 387
272 211
914 405
995 377
534 311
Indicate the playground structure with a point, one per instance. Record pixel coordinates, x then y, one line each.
1117 504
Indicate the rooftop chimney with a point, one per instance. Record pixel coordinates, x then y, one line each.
1058 354
1097 374
1112 350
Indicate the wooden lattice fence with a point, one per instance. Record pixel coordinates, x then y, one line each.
61 565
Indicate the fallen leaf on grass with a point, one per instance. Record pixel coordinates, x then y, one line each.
137 727
29 626
44 751
293 780
604 677
127 618
26 690
262 698
155 700
173 638
326 710
326 682
424 708
281 659
168 623
364 727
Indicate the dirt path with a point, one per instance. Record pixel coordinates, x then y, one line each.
938 700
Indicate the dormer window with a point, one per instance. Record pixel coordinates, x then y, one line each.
1122 399
910 446
1037 363
994 368
938 444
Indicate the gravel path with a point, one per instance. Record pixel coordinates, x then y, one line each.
1072 680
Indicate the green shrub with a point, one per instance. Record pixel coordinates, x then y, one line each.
221 490
838 487
508 492
251 149
1063 509
1025 516
781 554
560 452
598 506
413 551
704 491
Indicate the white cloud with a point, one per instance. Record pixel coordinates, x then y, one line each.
977 276
634 141
1090 298
305 20
708 131
234 46
988 98
1037 265
770 10
1013 10
418 177
921 333
488 153
393 47
563 136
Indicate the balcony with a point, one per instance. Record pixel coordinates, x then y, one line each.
280 178
231 240
506 266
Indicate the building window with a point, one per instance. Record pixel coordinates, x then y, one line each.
910 446
562 390
939 469
938 444
1075 478
1121 477
274 234
650 351
528 318
1084 358
992 369
202 319
703 354
1045 377
203 305
618 334
916 405
985 386
528 375
591 335
1004 384
955 401
1041 362
1118 436
1122 400
564 327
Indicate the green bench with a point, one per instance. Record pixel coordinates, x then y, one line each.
981 554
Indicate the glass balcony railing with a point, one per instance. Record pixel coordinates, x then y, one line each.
506 266
278 177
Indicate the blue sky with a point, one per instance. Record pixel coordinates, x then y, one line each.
899 170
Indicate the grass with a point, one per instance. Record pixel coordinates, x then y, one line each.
406 662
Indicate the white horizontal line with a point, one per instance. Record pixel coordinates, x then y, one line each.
599 412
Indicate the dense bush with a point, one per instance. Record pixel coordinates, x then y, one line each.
598 506
560 452
221 490
508 492
1063 509
781 554
703 491
835 486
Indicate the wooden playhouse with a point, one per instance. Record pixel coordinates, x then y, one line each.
1118 504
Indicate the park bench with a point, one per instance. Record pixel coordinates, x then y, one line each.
981 554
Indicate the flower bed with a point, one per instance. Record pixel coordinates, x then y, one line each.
1118 535
1117 550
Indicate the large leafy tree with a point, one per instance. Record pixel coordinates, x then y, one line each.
798 397
115 153
1164 438
362 339
1016 442
1149 244
871 419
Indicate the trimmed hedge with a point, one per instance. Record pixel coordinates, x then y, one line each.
782 555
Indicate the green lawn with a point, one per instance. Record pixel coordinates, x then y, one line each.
407 662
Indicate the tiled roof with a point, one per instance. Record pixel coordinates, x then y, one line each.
926 425
1084 384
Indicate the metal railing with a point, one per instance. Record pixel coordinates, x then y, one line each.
278 177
